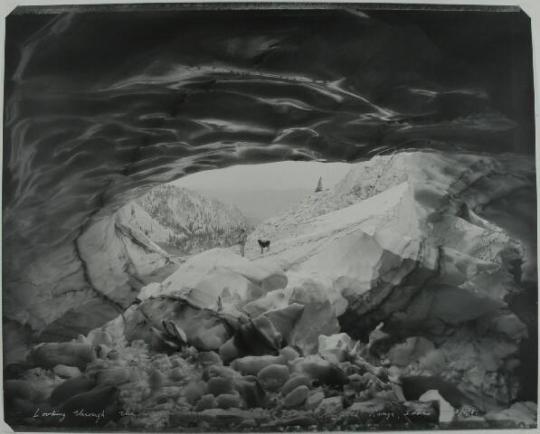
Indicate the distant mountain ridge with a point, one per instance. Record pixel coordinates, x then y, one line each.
185 221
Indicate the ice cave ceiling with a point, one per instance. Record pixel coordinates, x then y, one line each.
103 104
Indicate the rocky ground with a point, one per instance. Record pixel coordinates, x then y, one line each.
388 302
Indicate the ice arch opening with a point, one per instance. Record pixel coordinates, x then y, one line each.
90 128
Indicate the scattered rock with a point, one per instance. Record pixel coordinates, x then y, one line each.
49 355
334 348
219 385
71 388
250 390
285 319
251 365
273 377
101 401
113 376
228 400
21 389
294 381
446 411
64 371
194 391
209 358
320 370
318 317
409 351
206 402
229 351
519 415
296 397
314 399
329 406
289 354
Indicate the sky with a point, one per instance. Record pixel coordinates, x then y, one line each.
287 175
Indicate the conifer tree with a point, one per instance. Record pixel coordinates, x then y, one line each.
319 185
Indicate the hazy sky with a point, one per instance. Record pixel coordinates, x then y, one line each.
286 175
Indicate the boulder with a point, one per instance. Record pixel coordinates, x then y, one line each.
220 385
48 355
330 406
251 365
446 411
320 370
194 391
206 402
318 316
314 399
21 389
250 390
273 377
113 376
296 397
220 274
294 381
334 348
519 415
71 388
205 329
65 371
228 400
284 319
410 351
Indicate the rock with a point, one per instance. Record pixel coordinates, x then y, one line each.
285 319
222 371
100 337
206 402
289 354
228 351
294 421
21 389
510 325
101 401
228 400
49 355
209 358
273 377
378 340
268 332
314 399
330 406
415 386
219 385
71 388
205 329
320 370
113 376
296 397
293 382
519 415
410 351
67 371
422 412
446 411
250 391
194 391
318 317
177 374
251 365
334 348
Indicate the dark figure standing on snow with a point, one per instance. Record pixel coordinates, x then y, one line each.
242 239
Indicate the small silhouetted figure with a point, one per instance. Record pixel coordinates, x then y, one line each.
264 244
319 185
242 239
